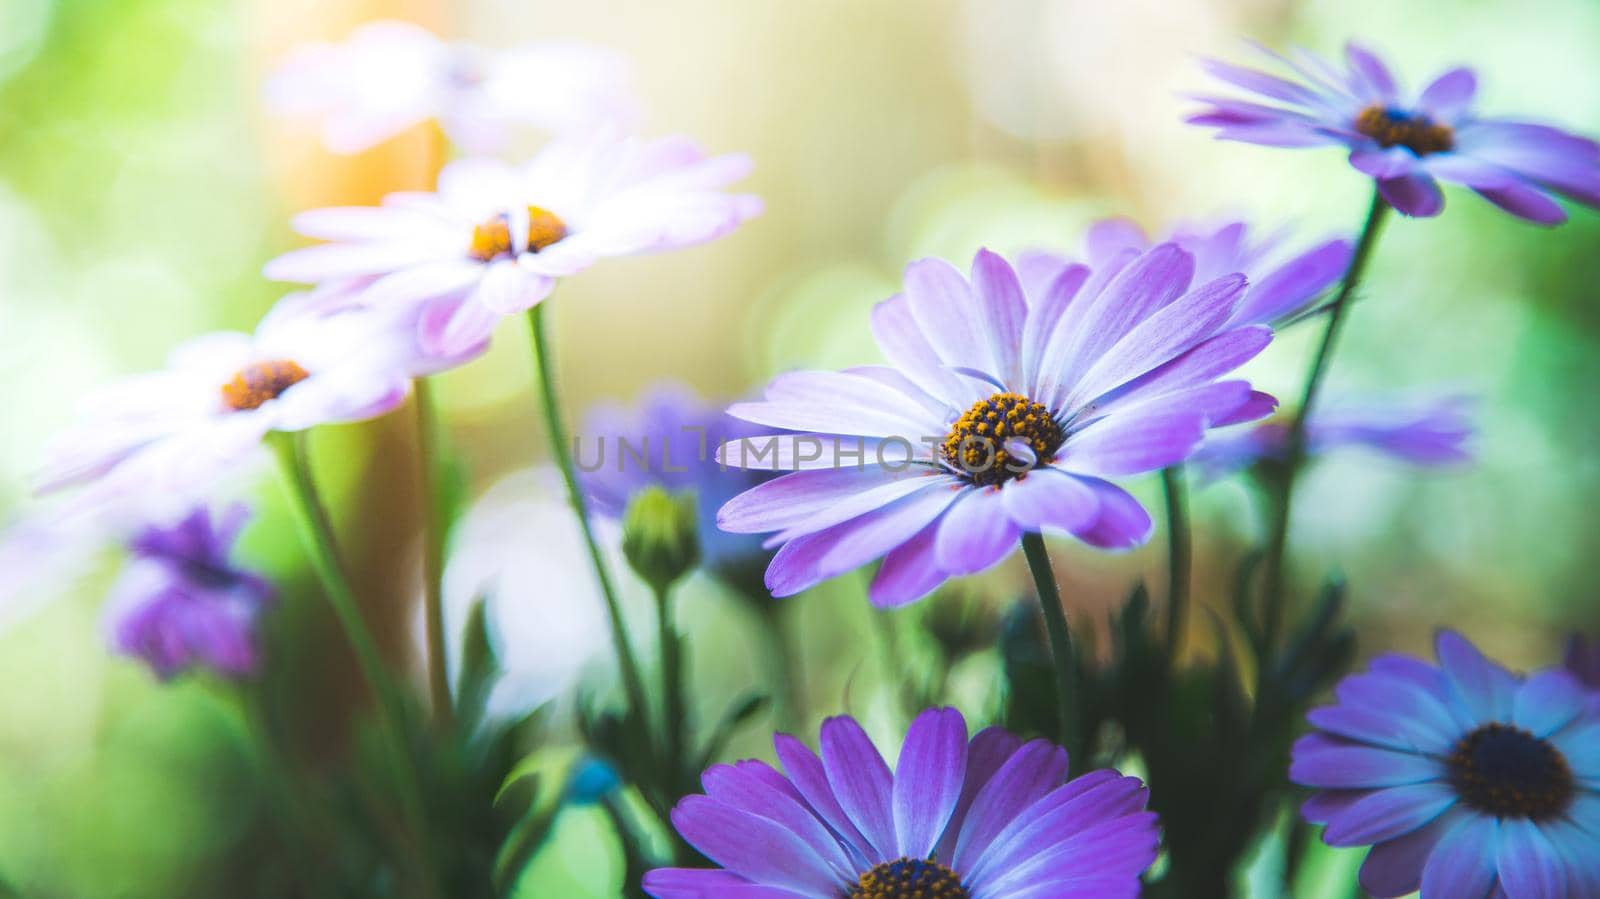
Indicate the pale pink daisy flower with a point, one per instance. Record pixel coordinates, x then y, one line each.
494 238
180 428
389 76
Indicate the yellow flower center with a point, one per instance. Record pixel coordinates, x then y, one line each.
909 878
493 238
1508 772
976 444
1398 128
260 383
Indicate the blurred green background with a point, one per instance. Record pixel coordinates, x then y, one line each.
141 189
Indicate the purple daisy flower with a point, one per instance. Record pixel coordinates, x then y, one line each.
1468 781
181 604
1407 142
1005 411
1583 660
1430 434
389 76
669 441
1285 282
495 238
993 818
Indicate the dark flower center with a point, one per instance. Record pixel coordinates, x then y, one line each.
1398 128
909 878
259 383
1509 773
976 445
493 237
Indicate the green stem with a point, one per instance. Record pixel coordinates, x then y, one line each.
433 537
783 664
1061 649
632 682
670 645
1273 566
1179 555
300 825
317 532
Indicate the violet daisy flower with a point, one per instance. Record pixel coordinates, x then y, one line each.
177 429
1430 434
494 239
1468 781
181 604
1406 142
388 77
993 818
1005 411
670 441
1284 282
1583 660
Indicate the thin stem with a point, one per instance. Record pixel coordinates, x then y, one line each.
433 537
1273 568
1179 555
782 663
317 533
670 646
632 682
1061 649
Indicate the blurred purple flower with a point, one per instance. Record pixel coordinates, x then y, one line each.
1283 283
1467 780
1004 412
389 76
1407 142
181 604
670 441
178 429
992 818
494 239
1431 433
1583 660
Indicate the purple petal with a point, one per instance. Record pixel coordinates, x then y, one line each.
1528 863
1038 269
1487 690
948 314
1027 776
806 561
1548 701
1564 162
1449 95
1005 309
976 533
1109 238
1394 868
896 332
1199 366
1045 314
1387 814
1153 434
1463 866
1394 162
1289 287
1354 766
1468 170
809 777
834 403
986 754
861 782
1415 195
908 573
927 779
1161 337
1384 726
1148 283
1261 82
751 846
1525 203
1371 70
745 787
706 883
1122 522
1050 499
790 500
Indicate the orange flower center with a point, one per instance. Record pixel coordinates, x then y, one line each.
1398 128
976 444
909 878
260 383
493 238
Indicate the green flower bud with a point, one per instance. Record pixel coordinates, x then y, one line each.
659 536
